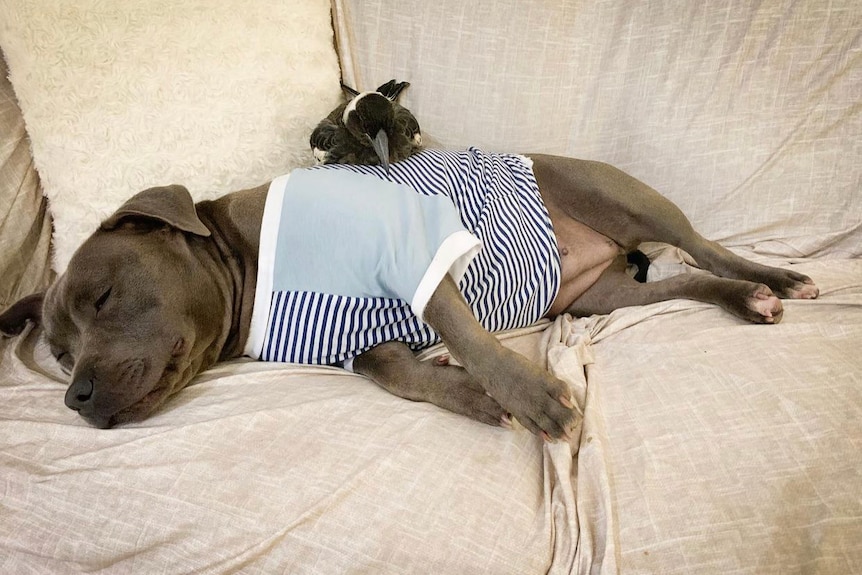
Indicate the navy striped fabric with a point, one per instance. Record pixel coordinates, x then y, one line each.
510 283
344 327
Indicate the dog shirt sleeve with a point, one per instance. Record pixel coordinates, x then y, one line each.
355 235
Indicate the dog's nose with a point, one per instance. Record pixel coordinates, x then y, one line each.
80 393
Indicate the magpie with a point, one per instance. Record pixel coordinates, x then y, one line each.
369 128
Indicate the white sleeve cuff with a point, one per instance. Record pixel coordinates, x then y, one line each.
453 256
348 364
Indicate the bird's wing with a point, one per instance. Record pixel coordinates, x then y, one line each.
322 134
323 138
405 118
408 125
335 116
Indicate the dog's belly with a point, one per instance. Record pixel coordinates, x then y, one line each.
584 255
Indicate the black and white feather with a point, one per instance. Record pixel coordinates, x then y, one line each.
368 128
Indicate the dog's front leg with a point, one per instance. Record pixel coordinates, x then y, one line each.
393 367
540 401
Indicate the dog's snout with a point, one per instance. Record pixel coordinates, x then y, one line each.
80 393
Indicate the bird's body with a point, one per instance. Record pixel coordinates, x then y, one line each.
369 128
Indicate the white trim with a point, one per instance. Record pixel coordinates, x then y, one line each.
453 256
348 364
265 265
527 161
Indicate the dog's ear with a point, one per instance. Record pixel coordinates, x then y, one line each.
13 320
172 205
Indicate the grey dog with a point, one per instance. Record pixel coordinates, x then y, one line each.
165 289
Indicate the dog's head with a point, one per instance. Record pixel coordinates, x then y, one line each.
138 311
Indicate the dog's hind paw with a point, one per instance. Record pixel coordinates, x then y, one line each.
751 301
787 284
764 307
804 288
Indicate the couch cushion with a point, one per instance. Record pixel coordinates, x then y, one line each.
118 97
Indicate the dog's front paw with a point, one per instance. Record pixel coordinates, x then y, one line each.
539 401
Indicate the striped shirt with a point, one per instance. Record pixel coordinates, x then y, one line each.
350 255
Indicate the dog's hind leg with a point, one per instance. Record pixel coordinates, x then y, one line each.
629 212
614 289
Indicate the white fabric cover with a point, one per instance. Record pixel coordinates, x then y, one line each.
708 445
121 96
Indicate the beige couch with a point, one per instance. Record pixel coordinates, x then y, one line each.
708 445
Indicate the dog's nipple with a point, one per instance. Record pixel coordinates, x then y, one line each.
179 347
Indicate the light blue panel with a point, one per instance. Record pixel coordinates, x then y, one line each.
356 235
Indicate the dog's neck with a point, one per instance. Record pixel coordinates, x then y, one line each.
235 222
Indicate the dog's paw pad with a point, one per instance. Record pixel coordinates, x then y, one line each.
806 290
766 307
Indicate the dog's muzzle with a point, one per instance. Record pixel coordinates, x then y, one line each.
80 398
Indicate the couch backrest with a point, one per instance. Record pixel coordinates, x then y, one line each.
745 114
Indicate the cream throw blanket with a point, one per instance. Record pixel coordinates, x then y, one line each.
121 96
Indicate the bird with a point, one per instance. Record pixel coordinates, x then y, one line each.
369 128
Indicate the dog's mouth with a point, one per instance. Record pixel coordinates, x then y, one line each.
96 421
173 378
183 363
138 410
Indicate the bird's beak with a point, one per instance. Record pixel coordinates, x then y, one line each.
380 143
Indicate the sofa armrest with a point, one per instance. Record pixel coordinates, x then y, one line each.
25 227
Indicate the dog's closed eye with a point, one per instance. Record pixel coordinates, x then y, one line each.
102 299
65 360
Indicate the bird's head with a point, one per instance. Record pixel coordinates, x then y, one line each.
370 117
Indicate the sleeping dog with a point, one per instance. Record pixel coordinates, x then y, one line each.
360 267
